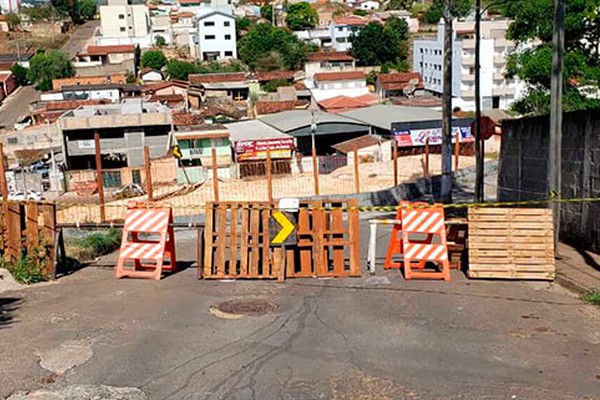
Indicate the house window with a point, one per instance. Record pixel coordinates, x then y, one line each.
209 37
12 140
131 27
227 37
209 23
136 176
229 54
121 16
122 29
226 23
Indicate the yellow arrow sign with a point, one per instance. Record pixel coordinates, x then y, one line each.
177 152
287 227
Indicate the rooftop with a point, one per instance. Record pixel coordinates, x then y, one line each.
382 116
353 20
114 49
330 56
295 119
103 86
218 78
339 76
57 84
269 76
253 129
399 80
130 106
342 103
13 57
357 143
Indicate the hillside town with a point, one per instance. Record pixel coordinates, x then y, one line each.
299 199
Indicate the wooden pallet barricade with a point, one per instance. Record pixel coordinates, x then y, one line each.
236 242
511 243
29 228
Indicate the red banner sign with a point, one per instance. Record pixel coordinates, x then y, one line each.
257 149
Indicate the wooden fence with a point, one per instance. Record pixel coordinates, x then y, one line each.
236 242
29 228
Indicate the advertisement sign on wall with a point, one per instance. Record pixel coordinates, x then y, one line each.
418 137
247 150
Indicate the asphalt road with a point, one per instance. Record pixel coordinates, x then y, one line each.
327 339
79 38
16 106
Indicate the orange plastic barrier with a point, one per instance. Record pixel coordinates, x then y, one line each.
395 245
430 222
156 245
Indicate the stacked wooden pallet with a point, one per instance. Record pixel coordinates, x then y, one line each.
511 243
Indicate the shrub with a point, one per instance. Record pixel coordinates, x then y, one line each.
592 296
27 269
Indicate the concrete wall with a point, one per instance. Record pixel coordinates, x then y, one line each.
523 167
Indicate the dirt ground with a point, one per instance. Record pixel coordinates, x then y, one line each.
372 177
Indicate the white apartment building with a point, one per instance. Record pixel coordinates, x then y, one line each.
341 30
327 85
496 90
121 20
214 38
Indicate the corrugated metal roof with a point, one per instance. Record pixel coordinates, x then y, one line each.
383 115
291 120
357 143
253 129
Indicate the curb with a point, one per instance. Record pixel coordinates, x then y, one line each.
571 284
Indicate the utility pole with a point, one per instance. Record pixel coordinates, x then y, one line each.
556 92
479 152
446 190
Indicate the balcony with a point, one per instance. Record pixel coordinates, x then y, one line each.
468 61
502 42
468 43
468 78
467 93
505 91
498 77
499 60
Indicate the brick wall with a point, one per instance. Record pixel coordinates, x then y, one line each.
523 167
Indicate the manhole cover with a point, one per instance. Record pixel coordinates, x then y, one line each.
238 308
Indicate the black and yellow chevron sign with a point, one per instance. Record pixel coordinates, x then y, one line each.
282 229
176 152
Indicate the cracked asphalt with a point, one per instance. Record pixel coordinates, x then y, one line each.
327 339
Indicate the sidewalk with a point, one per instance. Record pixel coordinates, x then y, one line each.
577 270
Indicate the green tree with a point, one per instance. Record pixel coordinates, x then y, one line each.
376 44
180 70
43 68
160 41
266 11
532 20
400 5
13 20
153 59
432 15
20 74
87 9
301 16
272 85
270 62
397 26
264 38
129 77
241 25
360 13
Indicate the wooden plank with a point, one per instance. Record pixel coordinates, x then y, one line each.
474 245
208 240
337 225
31 226
14 231
48 236
221 255
244 240
517 211
305 240
255 241
354 237
266 264
320 262
513 275
233 238
505 233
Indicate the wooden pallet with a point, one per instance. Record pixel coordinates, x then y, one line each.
511 243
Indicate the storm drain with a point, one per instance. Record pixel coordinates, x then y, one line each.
233 309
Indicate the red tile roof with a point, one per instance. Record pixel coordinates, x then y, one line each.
270 107
193 1
185 14
216 78
4 77
73 104
342 103
399 80
169 98
269 76
153 87
353 20
105 50
187 119
57 84
6 66
2 17
330 56
339 76
369 98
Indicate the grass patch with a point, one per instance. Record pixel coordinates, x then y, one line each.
592 296
94 245
27 269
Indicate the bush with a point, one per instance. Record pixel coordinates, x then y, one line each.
592 296
160 41
94 245
272 85
27 269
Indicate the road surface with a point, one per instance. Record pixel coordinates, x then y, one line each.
16 106
80 38
327 338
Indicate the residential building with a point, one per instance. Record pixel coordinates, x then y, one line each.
8 84
496 90
124 128
9 6
331 84
341 30
15 58
165 88
341 104
3 24
399 84
233 86
413 23
330 61
215 38
367 5
196 143
57 84
118 19
98 60
149 75
113 92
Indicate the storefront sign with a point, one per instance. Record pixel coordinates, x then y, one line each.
418 137
257 149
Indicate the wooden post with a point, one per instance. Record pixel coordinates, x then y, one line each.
395 152
215 171
356 177
456 151
426 172
3 185
269 175
99 177
148 166
315 170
